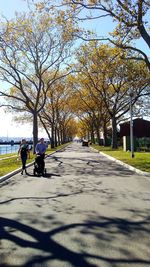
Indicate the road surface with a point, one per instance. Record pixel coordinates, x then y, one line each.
87 212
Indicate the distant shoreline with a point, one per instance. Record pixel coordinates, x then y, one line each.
8 148
14 143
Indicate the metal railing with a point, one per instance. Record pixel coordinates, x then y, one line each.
8 149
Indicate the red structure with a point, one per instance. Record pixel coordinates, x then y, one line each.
141 128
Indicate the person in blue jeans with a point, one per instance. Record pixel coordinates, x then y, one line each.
23 153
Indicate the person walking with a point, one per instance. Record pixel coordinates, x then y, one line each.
40 148
23 153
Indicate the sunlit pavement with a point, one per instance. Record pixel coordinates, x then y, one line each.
88 211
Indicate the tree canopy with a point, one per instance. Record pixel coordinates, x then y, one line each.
131 19
31 46
54 82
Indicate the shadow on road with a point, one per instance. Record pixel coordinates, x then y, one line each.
47 175
103 229
96 241
99 166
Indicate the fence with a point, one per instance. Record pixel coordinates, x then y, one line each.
8 149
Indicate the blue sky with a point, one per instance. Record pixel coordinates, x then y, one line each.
8 126
7 9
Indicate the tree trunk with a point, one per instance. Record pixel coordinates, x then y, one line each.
92 136
47 131
98 136
52 136
56 137
105 134
58 134
114 133
63 136
35 130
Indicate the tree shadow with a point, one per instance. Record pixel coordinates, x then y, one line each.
46 175
89 166
59 195
103 229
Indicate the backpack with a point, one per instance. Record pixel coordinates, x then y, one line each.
24 150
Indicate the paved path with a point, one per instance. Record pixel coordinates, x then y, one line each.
87 212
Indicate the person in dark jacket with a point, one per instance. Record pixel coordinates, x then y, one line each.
23 153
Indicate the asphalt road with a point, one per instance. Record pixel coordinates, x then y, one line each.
87 212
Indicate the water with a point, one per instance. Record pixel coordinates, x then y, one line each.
7 149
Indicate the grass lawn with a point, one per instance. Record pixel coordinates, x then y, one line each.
10 164
7 155
141 160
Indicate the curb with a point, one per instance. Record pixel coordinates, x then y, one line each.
147 174
10 174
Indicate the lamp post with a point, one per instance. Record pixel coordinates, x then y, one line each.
131 127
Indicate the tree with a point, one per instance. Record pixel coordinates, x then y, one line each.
110 79
82 128
86 105
142 106
56 115
30 46
131 18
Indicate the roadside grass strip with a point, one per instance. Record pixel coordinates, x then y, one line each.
141 160
11 162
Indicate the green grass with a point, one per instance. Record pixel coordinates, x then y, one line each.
10 164
7 155
141 160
